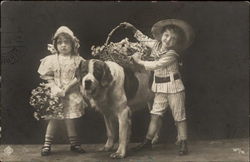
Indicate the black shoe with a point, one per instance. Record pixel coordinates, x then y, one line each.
146 145
46 150
183 150
77 149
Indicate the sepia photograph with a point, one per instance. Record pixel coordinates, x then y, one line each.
138 81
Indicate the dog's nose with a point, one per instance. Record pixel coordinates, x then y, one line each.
88 84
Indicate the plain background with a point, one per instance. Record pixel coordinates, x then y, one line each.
215 71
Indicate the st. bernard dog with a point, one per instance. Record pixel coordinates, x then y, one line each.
114 91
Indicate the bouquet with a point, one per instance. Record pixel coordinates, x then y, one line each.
46 106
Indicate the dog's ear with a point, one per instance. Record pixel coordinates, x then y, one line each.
81 70
106 76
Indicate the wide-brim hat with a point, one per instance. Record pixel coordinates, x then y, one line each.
158 27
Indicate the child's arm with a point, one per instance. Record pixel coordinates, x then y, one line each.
51 81
71 84
55 90
140 36
77 77
164 61
144 39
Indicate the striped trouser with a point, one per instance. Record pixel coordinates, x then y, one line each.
176 102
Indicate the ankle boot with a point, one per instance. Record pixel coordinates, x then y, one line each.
183 149
77 149
146 144
46 150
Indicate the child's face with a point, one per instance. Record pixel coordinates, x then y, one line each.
168 38
63 45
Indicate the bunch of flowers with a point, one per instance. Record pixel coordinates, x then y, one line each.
120 52
46 106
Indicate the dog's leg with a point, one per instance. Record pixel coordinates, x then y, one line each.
124 133
109 122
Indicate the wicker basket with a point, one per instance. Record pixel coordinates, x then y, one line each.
120 52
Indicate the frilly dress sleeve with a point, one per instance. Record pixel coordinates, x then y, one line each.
46 68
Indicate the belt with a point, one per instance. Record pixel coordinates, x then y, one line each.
166 79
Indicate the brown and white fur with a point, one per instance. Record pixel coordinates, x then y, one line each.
103 85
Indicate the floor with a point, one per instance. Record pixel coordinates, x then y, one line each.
217 150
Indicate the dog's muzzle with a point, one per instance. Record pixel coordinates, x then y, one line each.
88 84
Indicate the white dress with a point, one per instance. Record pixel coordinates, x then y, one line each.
62 71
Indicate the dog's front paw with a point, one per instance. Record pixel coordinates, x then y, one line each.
117 155
105 148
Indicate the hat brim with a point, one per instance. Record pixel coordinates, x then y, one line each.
187 29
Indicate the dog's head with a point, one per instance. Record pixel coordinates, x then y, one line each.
94 75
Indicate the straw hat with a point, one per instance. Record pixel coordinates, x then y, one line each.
186 28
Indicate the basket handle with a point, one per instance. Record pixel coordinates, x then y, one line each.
111 33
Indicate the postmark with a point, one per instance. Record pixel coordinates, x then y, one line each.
12 46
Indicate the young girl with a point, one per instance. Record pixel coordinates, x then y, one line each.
59 70
171 36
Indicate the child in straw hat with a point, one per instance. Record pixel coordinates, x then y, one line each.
171 36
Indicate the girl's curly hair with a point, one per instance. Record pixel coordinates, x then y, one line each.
74 42
66 32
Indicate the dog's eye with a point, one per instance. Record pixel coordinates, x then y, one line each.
98 73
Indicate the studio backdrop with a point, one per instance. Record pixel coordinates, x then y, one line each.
215 67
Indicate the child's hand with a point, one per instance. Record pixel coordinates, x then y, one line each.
61 93
56 91
137 57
